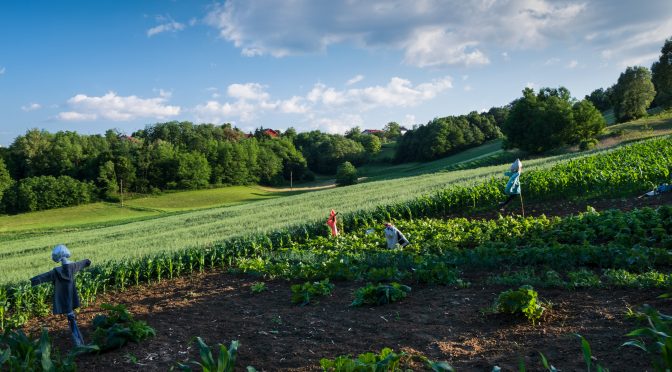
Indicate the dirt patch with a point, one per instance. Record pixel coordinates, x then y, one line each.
443 323
566 207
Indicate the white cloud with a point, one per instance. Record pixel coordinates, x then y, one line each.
397 93
31 107
215 112
75 116
530 85
171 26
468 88
572 64
552 61
250 91
409 120
432 47
251 100
639 60
430 33
118 108
355 79
633 44
339 125
2 70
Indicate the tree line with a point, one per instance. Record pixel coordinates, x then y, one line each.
448 135
42 170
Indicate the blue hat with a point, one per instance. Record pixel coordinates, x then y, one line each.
60 251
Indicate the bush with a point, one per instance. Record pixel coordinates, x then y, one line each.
380 294
346 174
305 293
588 144
523 300
46 192
118 327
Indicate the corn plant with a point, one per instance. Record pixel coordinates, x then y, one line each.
225 362
148 269
4 305
659 331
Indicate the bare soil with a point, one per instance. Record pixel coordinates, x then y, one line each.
443 323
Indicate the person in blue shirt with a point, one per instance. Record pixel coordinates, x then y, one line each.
512 188
66 299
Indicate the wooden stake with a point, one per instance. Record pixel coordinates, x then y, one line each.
522 206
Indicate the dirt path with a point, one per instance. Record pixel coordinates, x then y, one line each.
441 322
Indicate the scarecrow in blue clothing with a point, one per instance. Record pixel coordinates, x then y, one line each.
512 188
66 299
661 189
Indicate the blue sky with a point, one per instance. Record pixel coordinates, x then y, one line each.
89 66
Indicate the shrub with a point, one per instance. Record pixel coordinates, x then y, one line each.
305 293
588 144
523 300
346 174
118 327
380 294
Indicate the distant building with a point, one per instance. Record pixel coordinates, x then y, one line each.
372 131
126 137
270 132
403 130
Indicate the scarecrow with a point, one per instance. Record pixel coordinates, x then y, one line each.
66 299
394 236
512 187
332 223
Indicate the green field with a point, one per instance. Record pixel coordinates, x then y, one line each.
378 171
26 254
199 199
94 214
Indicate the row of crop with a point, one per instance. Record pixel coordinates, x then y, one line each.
637 241
625 171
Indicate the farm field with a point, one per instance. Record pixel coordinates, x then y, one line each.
26 254
94 214
382 172
593 272
200 199
449 323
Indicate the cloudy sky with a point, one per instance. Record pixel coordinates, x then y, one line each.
89 66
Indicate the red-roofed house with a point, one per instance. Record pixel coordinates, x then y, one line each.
372 131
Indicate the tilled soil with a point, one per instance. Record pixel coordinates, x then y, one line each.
443 323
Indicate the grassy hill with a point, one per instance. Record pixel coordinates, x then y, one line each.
27 253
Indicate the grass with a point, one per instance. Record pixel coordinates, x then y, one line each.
199 199
84 215
656 124
386 171
25 255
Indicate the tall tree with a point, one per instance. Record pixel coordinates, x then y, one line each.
662 75
5 180
550 119
633 93
600 99
392 131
